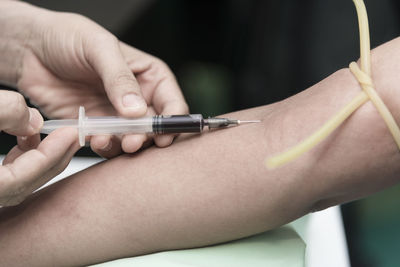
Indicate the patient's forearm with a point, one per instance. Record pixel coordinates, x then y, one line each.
211 188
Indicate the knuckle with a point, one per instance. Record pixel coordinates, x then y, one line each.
7 179
17 100
17 107
12 192
162 68
73 17
160 63
122 79
101 37
158 71
97 40
79 18
15 187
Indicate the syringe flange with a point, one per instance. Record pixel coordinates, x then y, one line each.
81 126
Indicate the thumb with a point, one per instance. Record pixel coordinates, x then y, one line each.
16 117
119 82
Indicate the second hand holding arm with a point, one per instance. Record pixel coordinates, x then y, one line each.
31 163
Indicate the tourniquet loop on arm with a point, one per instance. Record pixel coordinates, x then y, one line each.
363 75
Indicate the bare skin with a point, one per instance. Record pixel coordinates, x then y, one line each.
213 188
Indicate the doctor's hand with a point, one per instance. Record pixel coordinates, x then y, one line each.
31 163
69 61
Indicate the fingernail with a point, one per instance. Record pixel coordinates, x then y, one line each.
107 147
133 101
35 119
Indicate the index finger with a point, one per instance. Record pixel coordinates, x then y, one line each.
119 82
28 171
157 81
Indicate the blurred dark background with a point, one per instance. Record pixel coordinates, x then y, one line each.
230 55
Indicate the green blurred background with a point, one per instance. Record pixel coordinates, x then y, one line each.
230 55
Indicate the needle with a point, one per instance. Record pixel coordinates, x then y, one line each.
253 121
214 123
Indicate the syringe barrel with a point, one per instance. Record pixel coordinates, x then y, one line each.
161 124
191 123
117 125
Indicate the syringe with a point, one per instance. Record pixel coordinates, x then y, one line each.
160 124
